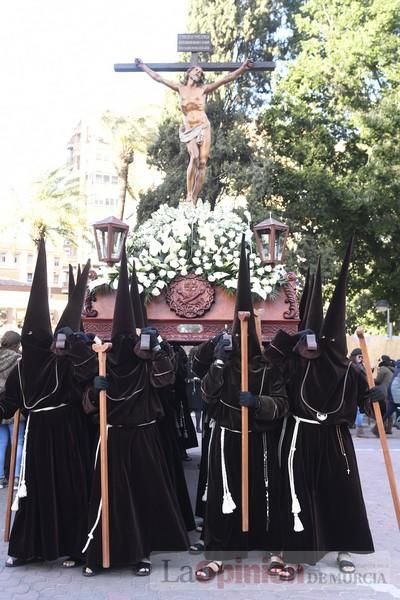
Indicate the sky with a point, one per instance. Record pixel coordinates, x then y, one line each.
56 66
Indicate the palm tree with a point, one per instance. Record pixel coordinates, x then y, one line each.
131 134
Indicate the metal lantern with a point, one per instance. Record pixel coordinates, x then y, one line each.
110 235
271 236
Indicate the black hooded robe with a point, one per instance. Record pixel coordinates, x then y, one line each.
51 520
223 536
325 473
144 512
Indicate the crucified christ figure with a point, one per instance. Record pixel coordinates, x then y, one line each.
195 131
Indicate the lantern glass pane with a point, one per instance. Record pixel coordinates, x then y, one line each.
279 244
265 237
102 236
118 239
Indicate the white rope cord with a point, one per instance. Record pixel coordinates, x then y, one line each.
296 508
43 397
228 504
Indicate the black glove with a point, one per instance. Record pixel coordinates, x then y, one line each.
81 336
100 383
216 339
248 399
154 337
220 352
375 394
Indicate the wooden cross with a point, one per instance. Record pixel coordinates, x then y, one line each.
194 43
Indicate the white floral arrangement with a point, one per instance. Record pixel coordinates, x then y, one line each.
189 239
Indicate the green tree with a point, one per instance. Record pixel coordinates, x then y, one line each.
57 210
331 134
130 134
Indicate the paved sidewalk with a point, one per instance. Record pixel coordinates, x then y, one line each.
377 576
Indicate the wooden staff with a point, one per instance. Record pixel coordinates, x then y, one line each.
244 351
101 350
379 423
11 475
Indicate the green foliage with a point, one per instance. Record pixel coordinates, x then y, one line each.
332 133
57 210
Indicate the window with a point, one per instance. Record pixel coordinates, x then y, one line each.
30 259
114 179
56 278
106 178
56 261
3 257
16 258
29 277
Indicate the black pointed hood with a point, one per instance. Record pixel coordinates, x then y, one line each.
36 330
244 302
303 299
71 317
136 300
334 326
307 302
314 317
144 310
71 281
123 319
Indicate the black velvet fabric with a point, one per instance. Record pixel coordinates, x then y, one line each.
222 533
200 506
186 429
173 455
144 513
51 519
332 507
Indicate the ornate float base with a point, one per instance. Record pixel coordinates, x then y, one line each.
191 313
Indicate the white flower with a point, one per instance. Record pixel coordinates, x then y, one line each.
182 252
196 260
211 278
207 266
184 271
152 276
156 291
160 285
174 264
162 273
171 274
154 247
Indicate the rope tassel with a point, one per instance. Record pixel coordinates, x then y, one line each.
228 504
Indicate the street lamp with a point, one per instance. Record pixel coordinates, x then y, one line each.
271 236
383 306
110 235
